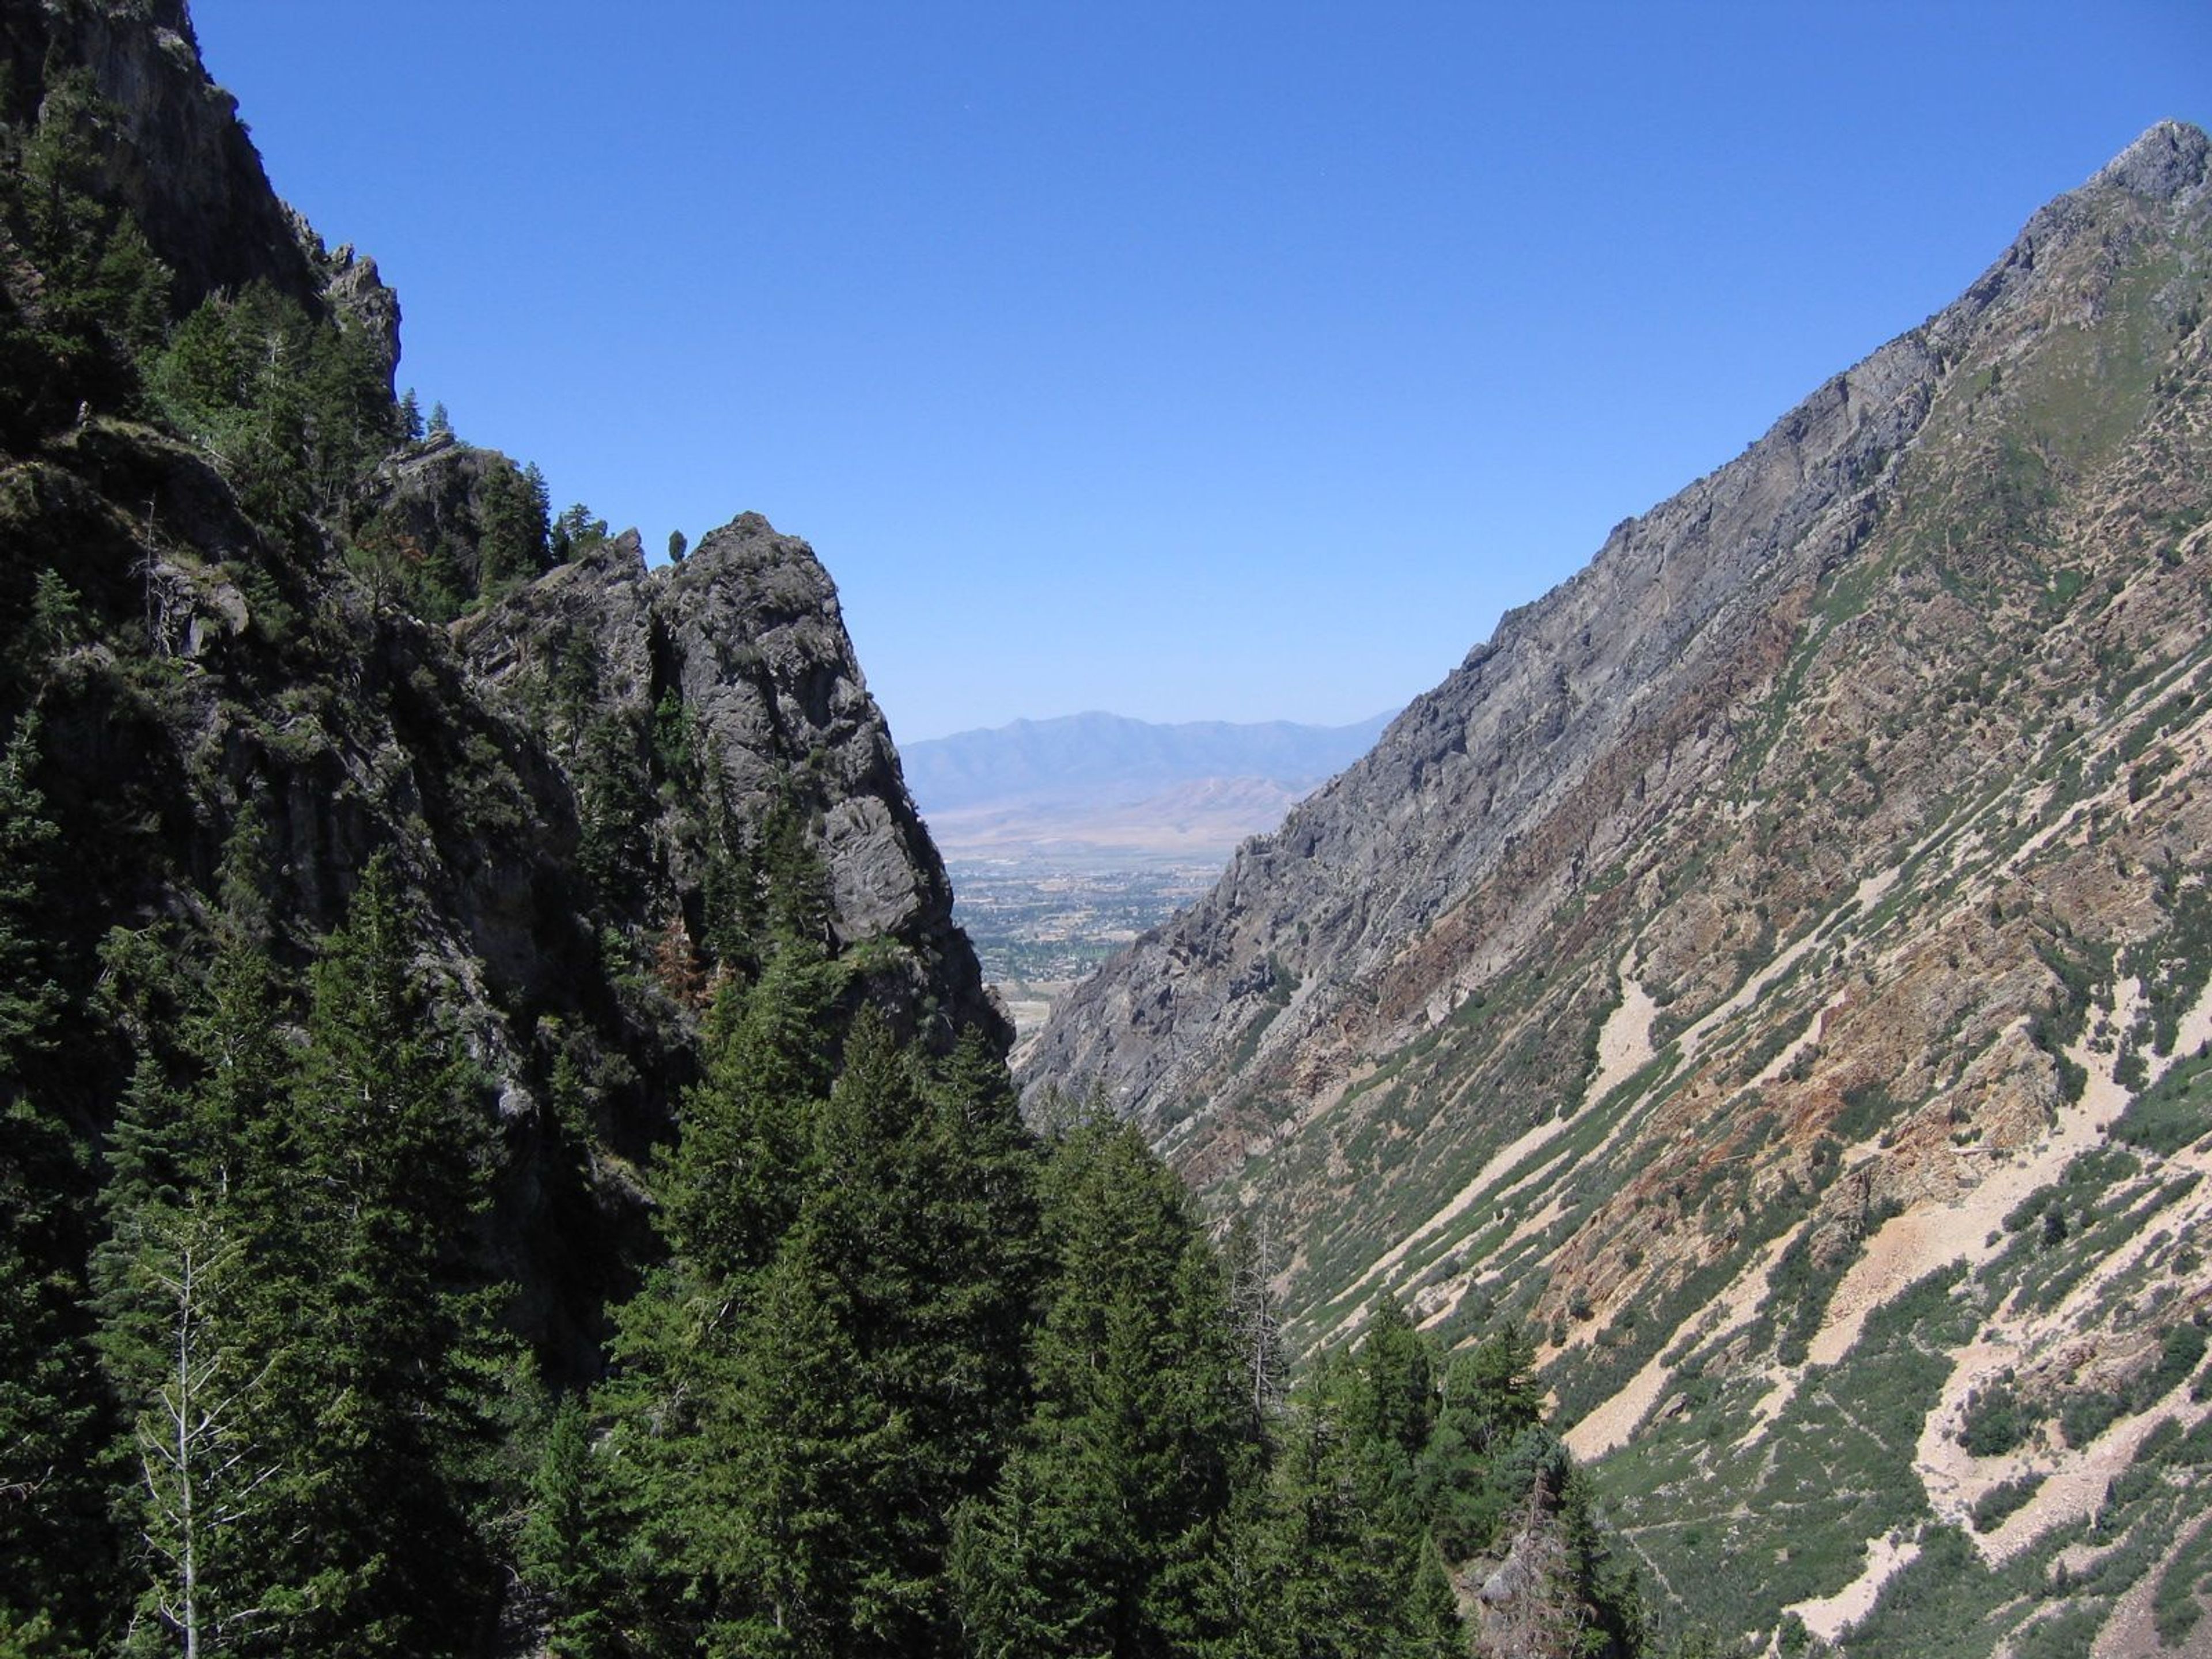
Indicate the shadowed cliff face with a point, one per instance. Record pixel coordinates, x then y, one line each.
228 704
1771 914
218 677
172 150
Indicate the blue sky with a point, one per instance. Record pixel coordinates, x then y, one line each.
1191 361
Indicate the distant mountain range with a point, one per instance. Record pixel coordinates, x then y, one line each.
1109 758
1106 783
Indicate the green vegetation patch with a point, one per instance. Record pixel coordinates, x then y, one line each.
2174 1112
2006 1498
1741 1530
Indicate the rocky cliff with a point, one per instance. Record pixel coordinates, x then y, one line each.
1791 907
230 700
171 152
743 639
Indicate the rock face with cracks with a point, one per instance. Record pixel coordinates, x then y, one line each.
172 151
746 636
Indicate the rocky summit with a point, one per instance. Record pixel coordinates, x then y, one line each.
1774 970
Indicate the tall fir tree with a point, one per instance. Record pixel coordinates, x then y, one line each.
381 1335
1110 1527
559 1552
54 1425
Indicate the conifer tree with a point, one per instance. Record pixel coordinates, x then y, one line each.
1109 1530
186 1325
511 547
692 1345
1392 1402
206 1466
385 1143
1255 1315
53 1468
53 1428
30 998
1488 1445
559 1551
731 1187
903 1195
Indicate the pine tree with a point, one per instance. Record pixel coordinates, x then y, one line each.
731 1187
691 1346
379 1337
541 507
616 805
1255 1315
53 1429
811 1447
190 1331
1393 1402
52 1529
559 1551
796 879
1331 1566
510 546
1109 1528
206 1466
30 998
904 1194
1488 1443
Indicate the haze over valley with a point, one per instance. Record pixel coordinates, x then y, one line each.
1067 838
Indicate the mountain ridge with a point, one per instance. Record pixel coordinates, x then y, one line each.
1723 969
1522 650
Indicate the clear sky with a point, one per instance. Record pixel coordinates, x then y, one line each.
1190 360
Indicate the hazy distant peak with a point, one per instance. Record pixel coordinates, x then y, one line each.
1100 755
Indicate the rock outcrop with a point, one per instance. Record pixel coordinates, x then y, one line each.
556 779
745 636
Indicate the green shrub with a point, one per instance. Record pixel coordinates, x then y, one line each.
1997 1420
2003 1499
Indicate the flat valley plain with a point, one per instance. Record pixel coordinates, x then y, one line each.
1041 921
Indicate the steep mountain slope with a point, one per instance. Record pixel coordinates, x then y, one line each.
227 696
1778 913
173 154
423 928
